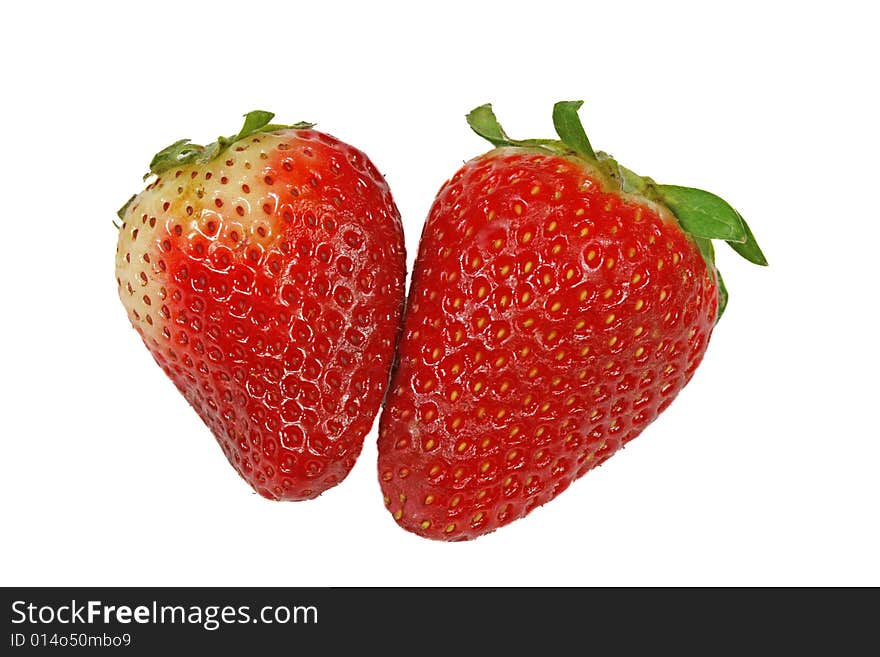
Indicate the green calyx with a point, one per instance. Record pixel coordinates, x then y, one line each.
700 214
183 152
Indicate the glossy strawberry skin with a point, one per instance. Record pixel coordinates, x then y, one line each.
268 285
550 320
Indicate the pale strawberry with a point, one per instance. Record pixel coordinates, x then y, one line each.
265 274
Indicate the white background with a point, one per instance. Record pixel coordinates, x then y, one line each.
763 472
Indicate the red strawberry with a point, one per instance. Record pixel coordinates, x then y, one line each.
558 305
265 274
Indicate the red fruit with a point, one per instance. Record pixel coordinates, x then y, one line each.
559 303
265 274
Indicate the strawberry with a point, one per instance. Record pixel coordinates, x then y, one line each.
265 274
559 303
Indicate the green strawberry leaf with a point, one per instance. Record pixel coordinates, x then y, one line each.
121 211
299 125
722 296
631 182
180 152
704 244
706 250
483 121
569 128
254 122
183 152
703 214
749 249
213 149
